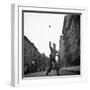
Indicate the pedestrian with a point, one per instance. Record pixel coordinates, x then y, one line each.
52 59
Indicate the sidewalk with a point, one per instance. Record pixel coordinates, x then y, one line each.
72 68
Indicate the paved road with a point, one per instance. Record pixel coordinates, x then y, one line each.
63 71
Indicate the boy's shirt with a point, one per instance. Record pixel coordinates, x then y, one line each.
53 52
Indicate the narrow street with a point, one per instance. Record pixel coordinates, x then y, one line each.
62 72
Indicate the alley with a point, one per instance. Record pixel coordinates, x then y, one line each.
64 71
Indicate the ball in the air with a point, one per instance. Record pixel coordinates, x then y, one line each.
49 26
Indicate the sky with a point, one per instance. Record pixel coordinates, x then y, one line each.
40 28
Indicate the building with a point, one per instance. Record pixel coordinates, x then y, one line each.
33 60
71 37
61 51
30 55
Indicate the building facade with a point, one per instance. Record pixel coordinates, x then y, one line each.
62 51
33 60
71 37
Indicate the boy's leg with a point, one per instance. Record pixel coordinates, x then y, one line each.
50 67
56 67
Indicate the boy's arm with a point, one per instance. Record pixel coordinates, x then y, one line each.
50 45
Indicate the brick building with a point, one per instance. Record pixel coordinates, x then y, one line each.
33 60
71 37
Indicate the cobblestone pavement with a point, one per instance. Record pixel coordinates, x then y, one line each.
62 72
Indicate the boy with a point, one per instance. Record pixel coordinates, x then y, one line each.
52 59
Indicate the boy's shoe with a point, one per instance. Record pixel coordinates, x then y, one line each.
47 74
58 73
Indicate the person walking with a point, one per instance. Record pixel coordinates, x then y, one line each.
52 59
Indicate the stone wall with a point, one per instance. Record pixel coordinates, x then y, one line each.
71 36
62 51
